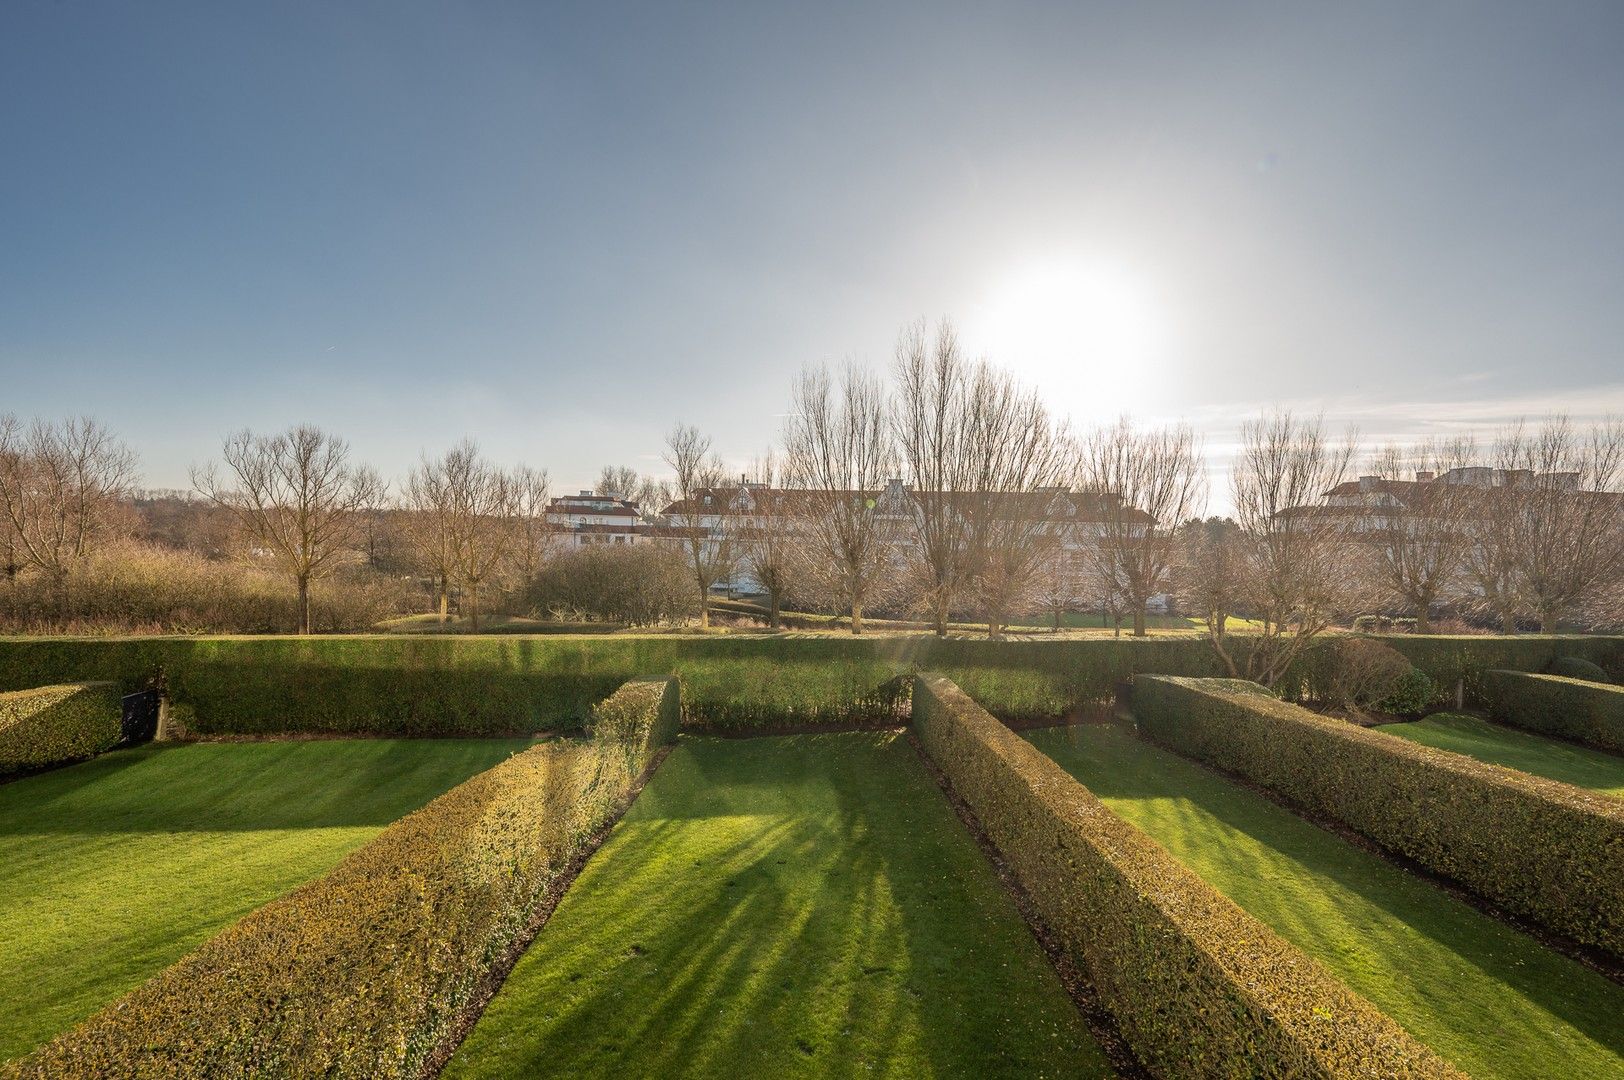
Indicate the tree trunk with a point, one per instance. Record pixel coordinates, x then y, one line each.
857 617
1508 621
304 603
445 599
1057 614
1223 622
704 610
941 617
1423 618
1547 620
1139 620
473 605
774 619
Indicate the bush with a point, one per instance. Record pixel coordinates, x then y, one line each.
1464 658
1412 695
55 724
1197 986
1539 848
1362 672
366 972
1587 712
1577 667
631 584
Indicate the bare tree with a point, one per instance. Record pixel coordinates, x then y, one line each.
1062 582
484 519
1492 559
931 418
1148 482
298 497
430 508
1209 571
1569 514
621 482
1301 565
59 484
770 543
698 521
534 542
1421 535
837 442
1020 463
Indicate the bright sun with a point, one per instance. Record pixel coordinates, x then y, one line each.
1089 334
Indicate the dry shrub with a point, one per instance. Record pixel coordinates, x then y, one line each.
1362 673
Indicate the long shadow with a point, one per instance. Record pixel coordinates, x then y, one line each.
826 882
1182 801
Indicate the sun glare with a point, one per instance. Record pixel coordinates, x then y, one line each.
1088 333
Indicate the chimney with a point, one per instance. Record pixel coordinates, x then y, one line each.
1369 483
1423 476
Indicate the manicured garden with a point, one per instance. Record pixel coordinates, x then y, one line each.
117 867
1500 745
799 906
1490 999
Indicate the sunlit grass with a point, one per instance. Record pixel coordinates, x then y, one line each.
803 906
1492 1000
1515 749
113 869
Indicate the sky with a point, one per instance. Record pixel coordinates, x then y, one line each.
563 229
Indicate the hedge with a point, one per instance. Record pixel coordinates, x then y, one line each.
1541 849
1197 986
506 685
367 972
50 725
1465 658
1588 712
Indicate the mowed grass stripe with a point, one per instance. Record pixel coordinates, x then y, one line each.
1515 749
118 867
1493 1001
802 906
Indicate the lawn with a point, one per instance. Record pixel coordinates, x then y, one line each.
1515 749
803 906
115 868
1493 1001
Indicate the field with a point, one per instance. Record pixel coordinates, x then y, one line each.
118 867
804 906
1492 1000
1499 745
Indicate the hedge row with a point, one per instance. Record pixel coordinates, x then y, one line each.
1197 986
1466 658
471 685
364 973
52 724
1541 849
1589 712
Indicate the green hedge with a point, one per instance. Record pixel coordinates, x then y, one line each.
1589 712
1541 849
1197 986
366 972
471 685
53 724
1465 658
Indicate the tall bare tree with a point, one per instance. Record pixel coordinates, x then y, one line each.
620 482
534 541
1422 533
838 447
429 503
298 496
1021 461
1569 516
931 418
770 544
1302 568
59 485
1209 572
1148 483
699 522
484 519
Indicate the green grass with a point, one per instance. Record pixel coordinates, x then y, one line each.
1491 1000
1517 750
115 868
804 906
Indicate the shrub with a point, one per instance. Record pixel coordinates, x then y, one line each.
1587 712
1577 667
632 584
1464 658
55 724
1362 672
365 973
1412 695
1197 986
1539 848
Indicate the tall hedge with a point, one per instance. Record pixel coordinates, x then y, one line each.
1542 849
1589 712
366 972
53 724
1197 986
511 684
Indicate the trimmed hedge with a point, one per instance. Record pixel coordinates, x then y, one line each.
1577 667
366 972
1465 658
1542 849
1587 712
50 725
464 684
1197 986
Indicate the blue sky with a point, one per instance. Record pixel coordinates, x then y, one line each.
560 230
